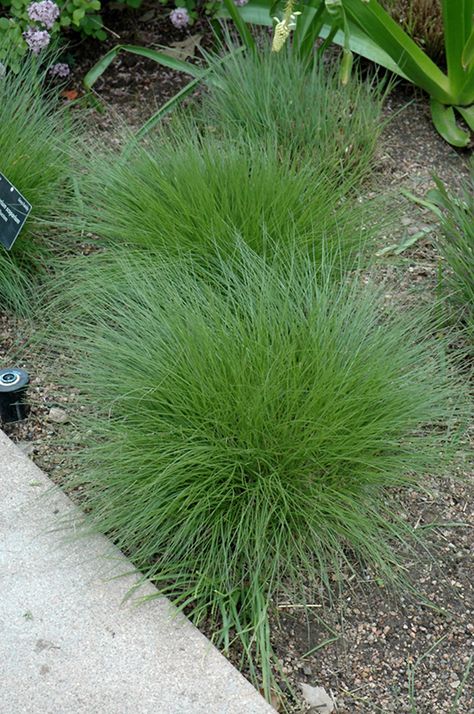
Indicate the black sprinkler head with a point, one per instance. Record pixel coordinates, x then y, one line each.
13 386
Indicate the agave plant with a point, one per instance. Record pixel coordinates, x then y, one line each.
364 27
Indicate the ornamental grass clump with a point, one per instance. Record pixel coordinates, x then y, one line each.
245 432
456 244
34 147
184 192
301 110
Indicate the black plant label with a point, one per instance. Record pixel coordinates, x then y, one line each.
14 210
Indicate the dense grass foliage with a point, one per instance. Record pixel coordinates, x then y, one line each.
34 142
188 193
274 152
457 244
302 111
15 285
245 428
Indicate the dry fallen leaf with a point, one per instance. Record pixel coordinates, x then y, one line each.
317 698
183 49
70 94
147 16
275 700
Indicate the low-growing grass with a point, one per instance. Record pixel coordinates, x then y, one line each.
34 142
302 111
456 244
15 285
188 193
275 152
246 429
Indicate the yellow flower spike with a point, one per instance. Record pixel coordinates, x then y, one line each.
284 27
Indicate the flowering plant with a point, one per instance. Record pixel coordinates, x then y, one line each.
187 12
32 25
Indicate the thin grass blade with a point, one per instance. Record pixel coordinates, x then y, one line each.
240 23
167 107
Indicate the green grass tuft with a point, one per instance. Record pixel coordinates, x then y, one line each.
188 193
246 431
274 153
34 142
300 111
456 244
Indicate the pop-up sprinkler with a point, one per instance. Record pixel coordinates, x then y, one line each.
13 385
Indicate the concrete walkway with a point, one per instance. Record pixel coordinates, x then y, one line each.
68 644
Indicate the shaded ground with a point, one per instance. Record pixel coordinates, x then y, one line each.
365 645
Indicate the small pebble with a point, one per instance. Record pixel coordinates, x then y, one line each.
58 415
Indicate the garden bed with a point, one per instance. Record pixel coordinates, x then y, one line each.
374 650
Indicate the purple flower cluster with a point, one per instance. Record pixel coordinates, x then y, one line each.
36 39
61 70
179 17
46 12
240 3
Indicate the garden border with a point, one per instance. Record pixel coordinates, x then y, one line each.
70 643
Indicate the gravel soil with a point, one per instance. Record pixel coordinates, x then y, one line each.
372 649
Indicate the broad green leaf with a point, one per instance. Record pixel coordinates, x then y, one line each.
407 242
77 15
256 12
444 120
329 40
457 21
365 47
308 27
100 67
425 202
467 114
466 94
164 60
438 199
467 57
379 26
